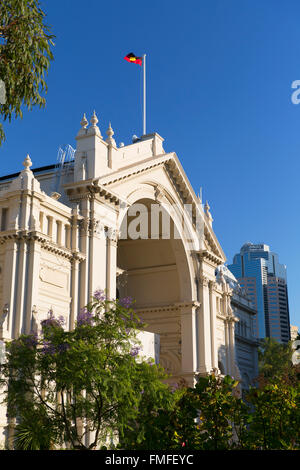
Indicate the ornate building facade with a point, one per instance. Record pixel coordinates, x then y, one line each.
58 246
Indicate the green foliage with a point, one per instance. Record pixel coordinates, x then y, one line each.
275 359
25 55
66 384
70 383
33 432
275 422
207 416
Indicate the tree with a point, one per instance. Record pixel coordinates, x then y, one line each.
88 380
210 416
275 421
275 361
25 55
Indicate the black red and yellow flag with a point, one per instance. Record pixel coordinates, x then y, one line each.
133 58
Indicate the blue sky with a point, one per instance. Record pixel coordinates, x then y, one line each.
219 75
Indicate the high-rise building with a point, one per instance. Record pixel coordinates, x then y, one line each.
264 278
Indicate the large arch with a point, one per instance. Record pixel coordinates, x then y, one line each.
157 270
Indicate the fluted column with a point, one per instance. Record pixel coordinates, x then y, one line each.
74 291
111 268
32 283
188 341
21 277
212 305
9 280
227 348
231 345
84 248
204 327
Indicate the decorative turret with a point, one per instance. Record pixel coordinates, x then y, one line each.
92 152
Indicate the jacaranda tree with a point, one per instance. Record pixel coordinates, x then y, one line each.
87 381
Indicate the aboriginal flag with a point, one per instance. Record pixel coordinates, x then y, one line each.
133 58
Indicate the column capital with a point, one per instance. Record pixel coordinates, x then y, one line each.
113 235
213 285
203 280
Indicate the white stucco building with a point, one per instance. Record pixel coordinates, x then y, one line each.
66 231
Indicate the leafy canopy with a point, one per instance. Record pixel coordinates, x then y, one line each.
88 381
25 55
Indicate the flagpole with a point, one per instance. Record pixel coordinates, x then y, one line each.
144 94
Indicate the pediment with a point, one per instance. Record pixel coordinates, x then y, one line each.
161 178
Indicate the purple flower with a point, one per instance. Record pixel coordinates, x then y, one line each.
134 351
31 340
126 302
84 317
99 295
48 348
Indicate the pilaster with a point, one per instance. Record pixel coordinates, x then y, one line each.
204 327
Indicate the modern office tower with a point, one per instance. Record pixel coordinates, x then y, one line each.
264 278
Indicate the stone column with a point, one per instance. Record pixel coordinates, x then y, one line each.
32 283
84 242
111 260
227 348
212 305
21 278
231 322
74 291
188 341
97 257
9 279
203 326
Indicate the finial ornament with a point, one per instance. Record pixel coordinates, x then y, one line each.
94 119
110 133
27 162
84 122
206 207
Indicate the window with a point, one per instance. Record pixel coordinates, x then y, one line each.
4 217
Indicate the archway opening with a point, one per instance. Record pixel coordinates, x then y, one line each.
154 270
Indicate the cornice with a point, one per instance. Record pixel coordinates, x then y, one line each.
209 256
44 241
167 308
91 188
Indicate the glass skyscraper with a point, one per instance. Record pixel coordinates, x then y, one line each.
264 278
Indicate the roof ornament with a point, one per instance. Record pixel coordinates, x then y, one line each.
27 163
94 119
94 129
110 140
84 122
